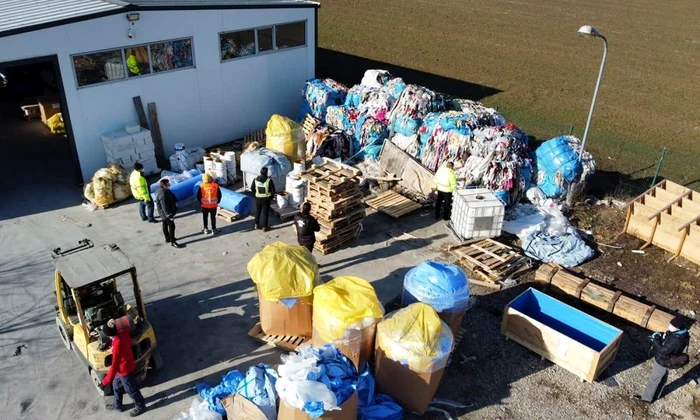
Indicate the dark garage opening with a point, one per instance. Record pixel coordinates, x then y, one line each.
40 171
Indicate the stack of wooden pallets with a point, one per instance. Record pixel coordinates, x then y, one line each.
336 202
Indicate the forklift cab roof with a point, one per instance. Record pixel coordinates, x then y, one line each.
93 265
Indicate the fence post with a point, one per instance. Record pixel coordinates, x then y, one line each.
658 166
571 129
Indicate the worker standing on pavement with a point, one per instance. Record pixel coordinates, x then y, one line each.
139 189
305 225
445 183
121 372
264 189
669 353
209 197
167 208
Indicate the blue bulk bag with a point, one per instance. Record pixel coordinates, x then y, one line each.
557 166
443 286
184 189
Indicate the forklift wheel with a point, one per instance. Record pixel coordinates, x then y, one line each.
65 338
96 380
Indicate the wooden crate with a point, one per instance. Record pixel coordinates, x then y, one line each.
490 260
668 216
284 342
393 204
581 344
255 136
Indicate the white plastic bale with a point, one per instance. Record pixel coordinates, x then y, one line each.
230 159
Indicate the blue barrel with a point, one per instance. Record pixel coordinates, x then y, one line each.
443 286
184 189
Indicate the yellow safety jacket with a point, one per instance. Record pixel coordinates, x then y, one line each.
262 189
139 186
133 65
445 180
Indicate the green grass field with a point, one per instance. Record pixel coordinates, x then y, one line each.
530 52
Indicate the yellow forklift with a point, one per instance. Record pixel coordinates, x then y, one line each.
87 296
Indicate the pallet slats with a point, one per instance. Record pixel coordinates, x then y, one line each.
393 204
490 260
285 342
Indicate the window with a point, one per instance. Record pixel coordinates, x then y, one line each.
137 62
99 67
290 35
237 44
172 55
265 40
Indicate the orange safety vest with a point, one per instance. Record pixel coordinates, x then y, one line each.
209 192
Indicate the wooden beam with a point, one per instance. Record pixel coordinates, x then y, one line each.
660 184
669 205
157 136
143 121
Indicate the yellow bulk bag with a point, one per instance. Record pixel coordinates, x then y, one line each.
283 135
284 271
55 124
342 303
416 336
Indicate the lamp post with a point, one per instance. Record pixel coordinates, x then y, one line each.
588 31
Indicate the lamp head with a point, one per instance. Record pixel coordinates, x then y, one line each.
588 31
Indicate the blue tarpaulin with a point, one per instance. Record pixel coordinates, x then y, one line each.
406 126
373 406
213 396
557 166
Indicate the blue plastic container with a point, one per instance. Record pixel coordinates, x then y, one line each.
443 286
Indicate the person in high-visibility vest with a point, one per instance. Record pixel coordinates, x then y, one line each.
140 191
132 63
209 197
445 183
264 189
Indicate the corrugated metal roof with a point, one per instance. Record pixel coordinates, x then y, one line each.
215 3
16 14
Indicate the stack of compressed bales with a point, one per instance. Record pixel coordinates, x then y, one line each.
319 94
108 185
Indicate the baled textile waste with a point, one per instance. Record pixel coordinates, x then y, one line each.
283 271
443 286
327 141
416 337
319 94
370 131
344 303
374 406
316 380
342 117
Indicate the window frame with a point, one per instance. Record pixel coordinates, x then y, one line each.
255 40
122 51
306 32
274 49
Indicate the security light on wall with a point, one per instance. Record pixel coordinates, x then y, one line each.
132 18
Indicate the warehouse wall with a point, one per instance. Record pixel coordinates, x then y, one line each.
210 104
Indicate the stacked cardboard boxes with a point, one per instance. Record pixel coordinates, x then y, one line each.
125 149
336 202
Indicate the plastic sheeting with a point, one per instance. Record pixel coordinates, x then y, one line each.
344 303
557 166
174 178
443 286
232 201
199 410
185 189
258 387
316 380
214 395
375 406
407 126
567 250
284 271
319 94
416 337
283 135
277 164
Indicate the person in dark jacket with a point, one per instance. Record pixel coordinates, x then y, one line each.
167 208
305 225
121 373
264 190
669 353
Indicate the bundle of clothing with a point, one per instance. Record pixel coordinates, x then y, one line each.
446 137
327 141
484 115
342 117
318 95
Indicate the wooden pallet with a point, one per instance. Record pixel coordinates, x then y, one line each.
332 210
286 213
350 217
284 342
227 215
491 260
330 176
309 125
255 136
336 242
393 204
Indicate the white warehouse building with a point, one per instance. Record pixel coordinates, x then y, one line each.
216 69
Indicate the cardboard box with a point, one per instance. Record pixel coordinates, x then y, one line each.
278 319
240 408
412 390
454 320
358 347
348 411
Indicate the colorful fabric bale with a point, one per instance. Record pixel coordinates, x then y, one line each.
370 131
484 115
406 125
328 142
342 117
319 94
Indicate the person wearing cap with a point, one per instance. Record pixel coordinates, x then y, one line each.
669 353
139 189
264 189
306 225
445 183
121 373
209 197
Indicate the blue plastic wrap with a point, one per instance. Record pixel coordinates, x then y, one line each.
319 94
258 387
406 126
370 131
429 123
373 406
502 195
232 201
443 286
372 152
213 396
557 166
460 122
185 189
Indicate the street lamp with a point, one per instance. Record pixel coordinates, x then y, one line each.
587 31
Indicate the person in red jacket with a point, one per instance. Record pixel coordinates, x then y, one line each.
121 373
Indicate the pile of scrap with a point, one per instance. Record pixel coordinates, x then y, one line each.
602 297
491 261
336 202
668 216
